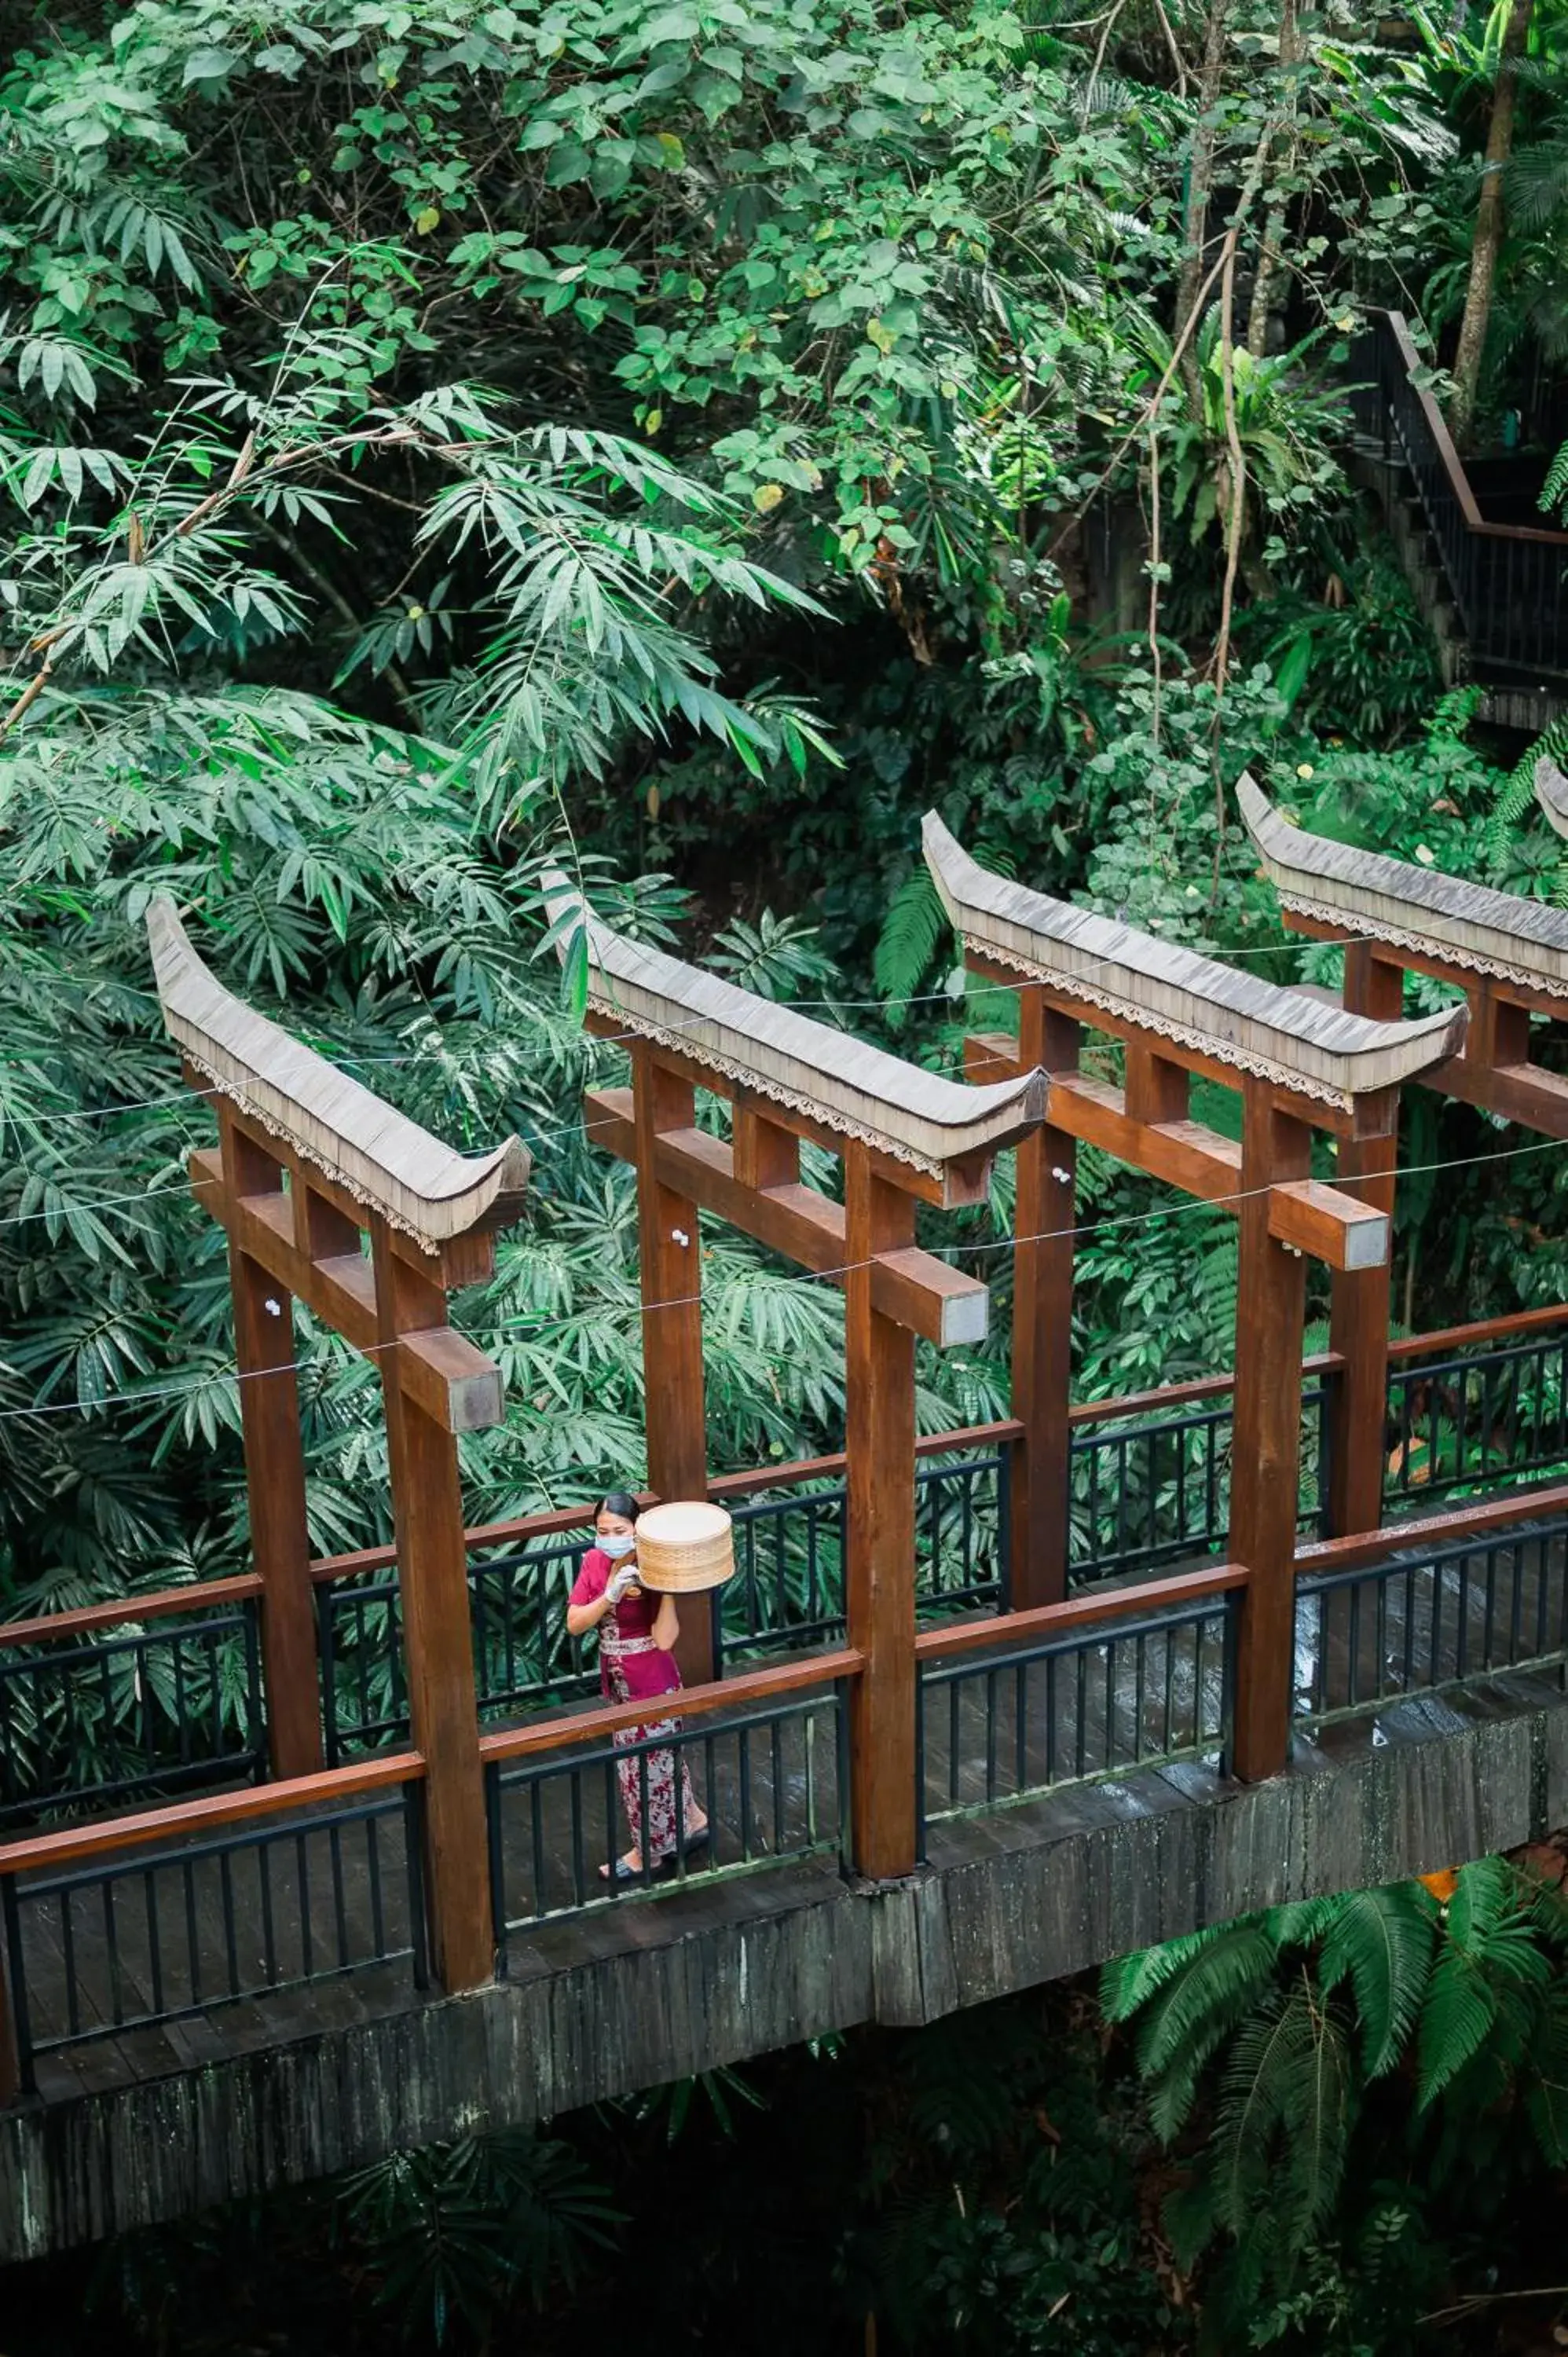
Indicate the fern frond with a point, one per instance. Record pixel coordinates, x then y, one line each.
911 932
1458 2014
1253 2101
1127 1983
1554 489
1451 721
1382 1943
1320 2101
1216 1988
1517 790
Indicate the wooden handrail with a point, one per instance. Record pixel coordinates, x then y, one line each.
788 1676
1431 1530
1448 457
552 1519
1014 1629
197 1596
105 1834
1486 1330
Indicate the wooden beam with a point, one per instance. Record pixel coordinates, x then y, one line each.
274 1471
1312 1217
452 1380
940 1304
1007 1631
1040 1502
1154 1090
1265 1449
1358 1313
1524 1092
433 1580
960 1183
1327 1225
879 1572
1411 961
670 1267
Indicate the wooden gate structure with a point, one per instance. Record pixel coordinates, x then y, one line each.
1299 1066
1509 957
904 1137
331 1199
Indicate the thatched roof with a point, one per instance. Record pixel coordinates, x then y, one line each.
384 1161
917 1116
1412 908
1280 1035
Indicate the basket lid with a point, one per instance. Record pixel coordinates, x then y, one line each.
684 1522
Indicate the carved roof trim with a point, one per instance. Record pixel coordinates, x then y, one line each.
1414 907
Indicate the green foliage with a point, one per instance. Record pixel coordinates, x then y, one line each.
1270 2034
452 2234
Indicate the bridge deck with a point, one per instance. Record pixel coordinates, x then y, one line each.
159 1941
597 2005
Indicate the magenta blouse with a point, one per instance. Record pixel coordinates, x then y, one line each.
653 1671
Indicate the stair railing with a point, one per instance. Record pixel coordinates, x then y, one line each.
1508 581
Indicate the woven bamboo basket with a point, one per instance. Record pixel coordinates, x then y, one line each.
683 1547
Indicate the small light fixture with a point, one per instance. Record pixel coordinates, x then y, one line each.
679 1236
275 1308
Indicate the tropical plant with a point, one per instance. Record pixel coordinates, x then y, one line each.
1270 2035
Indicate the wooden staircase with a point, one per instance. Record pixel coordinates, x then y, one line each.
1494 593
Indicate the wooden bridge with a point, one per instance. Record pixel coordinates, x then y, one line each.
299 1866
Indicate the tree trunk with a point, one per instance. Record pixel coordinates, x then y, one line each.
1269 254
1199 187
1488 236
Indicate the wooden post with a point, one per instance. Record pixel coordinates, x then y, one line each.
1358 1311
433 1580
1265 1452
670 1266
879 1444
274 1476
1041 1500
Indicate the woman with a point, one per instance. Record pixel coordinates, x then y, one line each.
637 1635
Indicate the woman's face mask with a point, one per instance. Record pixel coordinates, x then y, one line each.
615 1543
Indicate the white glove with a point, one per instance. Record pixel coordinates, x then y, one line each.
621 1581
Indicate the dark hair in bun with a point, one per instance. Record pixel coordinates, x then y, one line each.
619 1502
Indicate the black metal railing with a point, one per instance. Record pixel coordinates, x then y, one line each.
1094 1702
109 1948
788 1596
1154 1488
524 1657
1478 1419
772 1782
131 1713
1508 582
1415 1623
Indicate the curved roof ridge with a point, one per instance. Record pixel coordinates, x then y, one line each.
386 1161
1257 1027
917 1116
1493 933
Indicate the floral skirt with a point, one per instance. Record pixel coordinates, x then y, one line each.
647 1774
